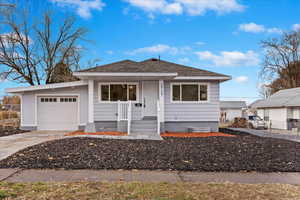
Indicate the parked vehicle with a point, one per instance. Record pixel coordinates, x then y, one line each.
256 122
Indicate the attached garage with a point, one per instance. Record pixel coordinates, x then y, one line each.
57 112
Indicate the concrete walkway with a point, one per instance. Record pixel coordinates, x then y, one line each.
13 143
31 175
266 133
125 137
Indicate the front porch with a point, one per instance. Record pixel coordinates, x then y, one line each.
136 108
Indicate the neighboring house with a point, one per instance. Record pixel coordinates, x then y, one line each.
231 110
281 110
148 96
252 110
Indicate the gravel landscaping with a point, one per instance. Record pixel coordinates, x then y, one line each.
11 131
240 153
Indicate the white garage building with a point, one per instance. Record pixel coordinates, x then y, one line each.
231 110
282 109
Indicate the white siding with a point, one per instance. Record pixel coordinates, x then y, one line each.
108 111
232 113
209 111
294 113
260 113
29 107
278 117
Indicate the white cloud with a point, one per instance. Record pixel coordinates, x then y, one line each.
83 7
252 28
200 43
110 52
230 58
197 7
274 30
191 7
257 28
241 79
160 48
296 27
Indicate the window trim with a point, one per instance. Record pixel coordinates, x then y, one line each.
117 83
189 83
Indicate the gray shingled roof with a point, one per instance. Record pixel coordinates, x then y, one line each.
253 104
152 65
233 104
282 98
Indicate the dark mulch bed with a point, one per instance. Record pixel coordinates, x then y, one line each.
241 153
11 131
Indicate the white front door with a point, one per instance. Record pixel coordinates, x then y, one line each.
150 92
57 113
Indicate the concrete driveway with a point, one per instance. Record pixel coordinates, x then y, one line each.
271 134
13 143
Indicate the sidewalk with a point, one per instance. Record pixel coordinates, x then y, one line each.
32 175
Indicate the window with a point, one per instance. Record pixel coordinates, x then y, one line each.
189 92
104 92
48 99
66 100
114 92
176 92
203 93
118 92
132 92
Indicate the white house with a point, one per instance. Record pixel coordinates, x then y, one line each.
281 109
148 96
232 109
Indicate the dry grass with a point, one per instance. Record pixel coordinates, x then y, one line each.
148 191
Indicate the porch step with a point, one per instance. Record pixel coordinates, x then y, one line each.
150 118
153 122
199 129
144 131
144 126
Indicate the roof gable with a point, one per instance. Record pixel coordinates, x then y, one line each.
282 98
233 104
152 66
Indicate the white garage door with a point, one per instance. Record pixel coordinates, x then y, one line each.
57 113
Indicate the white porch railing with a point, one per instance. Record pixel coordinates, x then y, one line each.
158 117
125 113
129 117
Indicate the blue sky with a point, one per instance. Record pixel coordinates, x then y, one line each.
221 36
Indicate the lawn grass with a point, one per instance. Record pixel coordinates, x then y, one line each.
147 191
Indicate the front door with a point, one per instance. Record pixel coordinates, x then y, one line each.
150 92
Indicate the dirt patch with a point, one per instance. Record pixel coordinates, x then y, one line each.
241 153
191 135
10 131
113 133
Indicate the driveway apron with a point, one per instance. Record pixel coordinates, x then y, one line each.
14 143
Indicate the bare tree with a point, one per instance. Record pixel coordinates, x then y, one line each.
31 50
281 64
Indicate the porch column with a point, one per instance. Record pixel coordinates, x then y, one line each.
90 127
162 103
